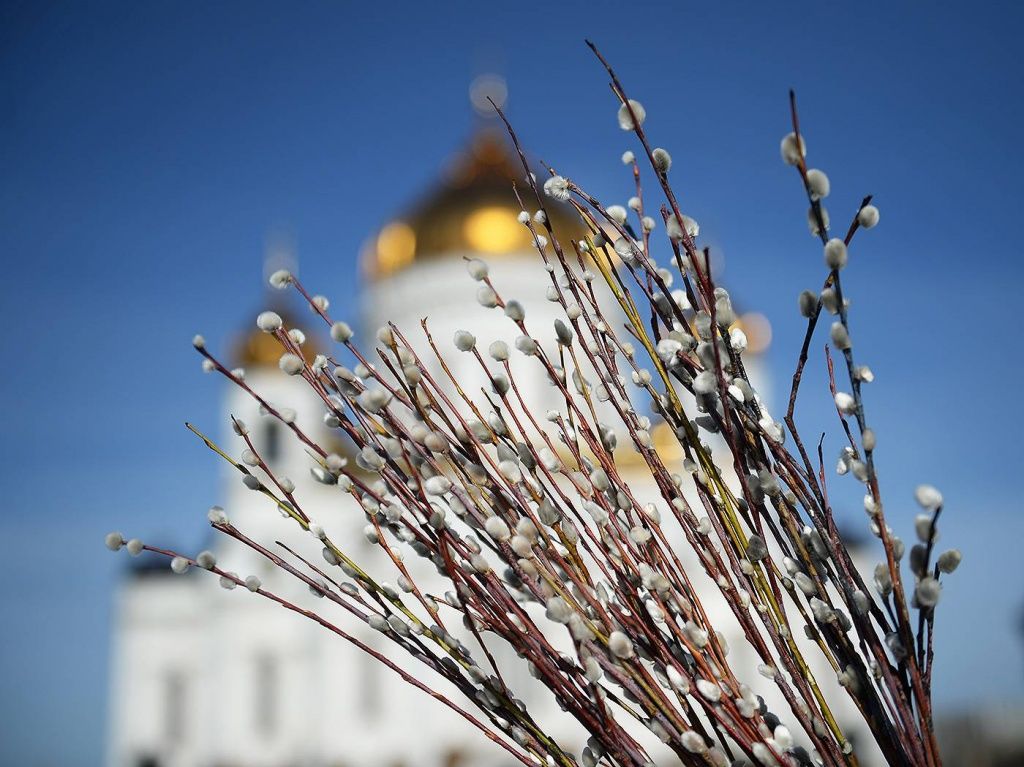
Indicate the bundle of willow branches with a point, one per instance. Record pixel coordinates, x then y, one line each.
516 508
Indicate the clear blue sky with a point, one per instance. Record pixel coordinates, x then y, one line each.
146 150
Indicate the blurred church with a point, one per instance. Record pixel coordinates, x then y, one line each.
204 677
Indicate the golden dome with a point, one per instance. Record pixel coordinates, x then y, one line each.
256 348
474 210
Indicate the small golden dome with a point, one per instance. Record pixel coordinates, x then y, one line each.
474 210
256 348
757 329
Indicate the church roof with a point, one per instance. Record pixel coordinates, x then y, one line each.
472 210
148 564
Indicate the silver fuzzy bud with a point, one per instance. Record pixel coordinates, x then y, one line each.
563 332
808 303
949 561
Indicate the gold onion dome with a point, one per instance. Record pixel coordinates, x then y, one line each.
255 348
472 211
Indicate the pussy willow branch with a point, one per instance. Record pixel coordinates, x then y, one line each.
474 480
921 698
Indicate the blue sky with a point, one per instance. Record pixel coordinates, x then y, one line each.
147 151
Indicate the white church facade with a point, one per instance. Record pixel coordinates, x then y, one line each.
204 677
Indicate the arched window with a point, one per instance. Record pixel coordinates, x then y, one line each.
174 706
266 694
369 685
271 440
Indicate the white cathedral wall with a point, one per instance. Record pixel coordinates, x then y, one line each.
441 290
